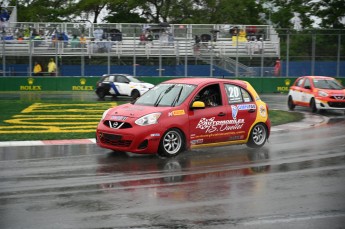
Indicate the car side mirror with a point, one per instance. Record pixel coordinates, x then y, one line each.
307 87
198 105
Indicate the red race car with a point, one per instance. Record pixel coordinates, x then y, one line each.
187 113
318 93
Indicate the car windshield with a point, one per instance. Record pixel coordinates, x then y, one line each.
327 84
166 95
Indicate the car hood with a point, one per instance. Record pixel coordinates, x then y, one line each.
148 85
333 92
136 111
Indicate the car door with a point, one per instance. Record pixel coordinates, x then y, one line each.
241 111
306 92
206 124
296 91
122 85
110 80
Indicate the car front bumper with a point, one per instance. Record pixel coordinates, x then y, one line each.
143 140
322 104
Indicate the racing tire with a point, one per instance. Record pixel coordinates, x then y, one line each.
258 136
101 93
172 143
291 105
312 106
135 94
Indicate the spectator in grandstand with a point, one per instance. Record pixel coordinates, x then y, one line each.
36 38
75 42
20 38
250 45
63 38
234 31
54 40
82 40
242 37
98 34
148 36
260 45
52 67
27 33
254 46
37 69
171 39
19 33
142 39
149 41
251 32
197 41
163 38
108 45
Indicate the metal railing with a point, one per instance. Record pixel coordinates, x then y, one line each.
301 53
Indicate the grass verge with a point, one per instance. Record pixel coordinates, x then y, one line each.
67 119
279 117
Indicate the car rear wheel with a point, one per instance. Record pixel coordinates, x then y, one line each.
312 105
291 105
135 94
172 143
258 136
101 93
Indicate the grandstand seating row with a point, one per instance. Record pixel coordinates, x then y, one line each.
130 47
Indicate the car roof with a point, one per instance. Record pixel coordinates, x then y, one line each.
117 74
320 77
199 81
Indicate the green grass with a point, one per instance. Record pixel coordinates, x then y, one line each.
67 119
279 117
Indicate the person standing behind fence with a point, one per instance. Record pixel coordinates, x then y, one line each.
37 69
277 68
52 67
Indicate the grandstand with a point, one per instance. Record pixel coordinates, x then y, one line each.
220 46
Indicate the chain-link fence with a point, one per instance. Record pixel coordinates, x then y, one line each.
172 50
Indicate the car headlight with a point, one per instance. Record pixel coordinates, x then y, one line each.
148 119
105 113
322 94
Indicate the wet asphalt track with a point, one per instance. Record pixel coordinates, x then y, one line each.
296 181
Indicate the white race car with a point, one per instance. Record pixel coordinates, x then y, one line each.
121 85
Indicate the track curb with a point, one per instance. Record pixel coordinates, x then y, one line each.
309 121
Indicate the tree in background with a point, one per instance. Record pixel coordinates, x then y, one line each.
280 12
124 11
330 13
44 11
228 12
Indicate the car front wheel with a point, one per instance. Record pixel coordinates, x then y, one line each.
135 94
258 136
313 105
172 143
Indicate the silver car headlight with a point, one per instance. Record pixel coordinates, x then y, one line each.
105 114
322 94
148 119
